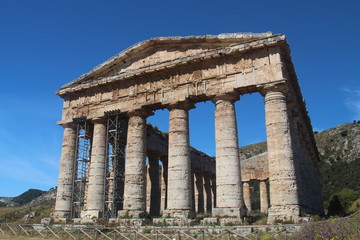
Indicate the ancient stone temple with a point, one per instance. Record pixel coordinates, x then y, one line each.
114 165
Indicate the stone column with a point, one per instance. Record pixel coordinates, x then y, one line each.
135 167
199 192
213 191
155 192
179 169
264 202
247 195
193 194
66 173
228 176
164 184
148 189
283 187
208 193
95 188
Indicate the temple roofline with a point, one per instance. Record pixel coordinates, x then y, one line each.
237 38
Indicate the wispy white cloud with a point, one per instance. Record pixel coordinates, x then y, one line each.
352 101
355 92
24 171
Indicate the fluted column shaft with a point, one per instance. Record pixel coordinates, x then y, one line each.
179 202
228 178
247 195
283 187
95 190
66 172
199 192
264 204
164 185
155 190
135 167
208 194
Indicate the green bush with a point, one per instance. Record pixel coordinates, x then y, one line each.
355 206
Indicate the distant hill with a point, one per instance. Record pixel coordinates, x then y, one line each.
339 150
26 197
47 198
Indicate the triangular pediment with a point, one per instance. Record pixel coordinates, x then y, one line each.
161 51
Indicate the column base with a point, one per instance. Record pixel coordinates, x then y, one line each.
178 213
90 216
61 217
132 214
229 212
282 214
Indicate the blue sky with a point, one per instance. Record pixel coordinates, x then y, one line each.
45 44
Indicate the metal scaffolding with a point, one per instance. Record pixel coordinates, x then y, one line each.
81 164
115 163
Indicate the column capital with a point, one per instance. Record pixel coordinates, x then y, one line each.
185 105
274 87
98 120
229 97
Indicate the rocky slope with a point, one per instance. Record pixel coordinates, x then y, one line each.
6 200
341 143
47 198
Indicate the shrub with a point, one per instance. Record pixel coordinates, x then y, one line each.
355 206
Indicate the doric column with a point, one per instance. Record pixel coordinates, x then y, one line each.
264 202
228 176
199 192
148 189
164 185
179 168
283 187
135 166
213 191
208 193
66 173
155 192
247 196
95 188
193 194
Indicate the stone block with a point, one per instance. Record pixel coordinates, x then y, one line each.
170 213
131 221
230 221
210 221
46 221
227 212
174 221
